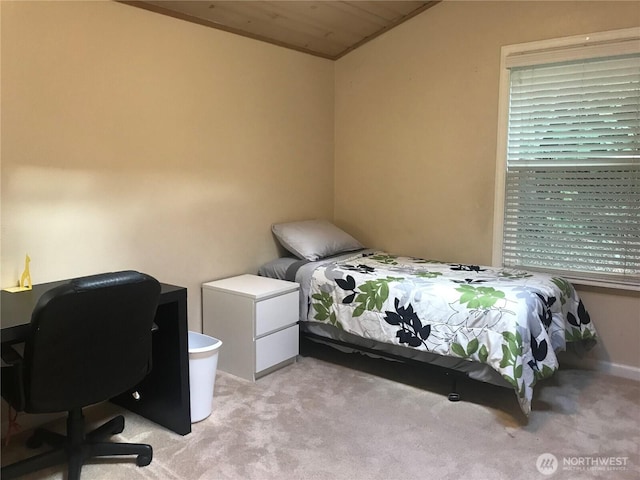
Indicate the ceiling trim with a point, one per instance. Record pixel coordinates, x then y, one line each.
412 14
217 26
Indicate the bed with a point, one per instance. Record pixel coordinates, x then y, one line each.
496 325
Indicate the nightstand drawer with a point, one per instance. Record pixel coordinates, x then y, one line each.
276 348
276 312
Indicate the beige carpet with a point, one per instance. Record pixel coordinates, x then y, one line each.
320 419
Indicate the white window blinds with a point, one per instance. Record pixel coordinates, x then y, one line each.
572 199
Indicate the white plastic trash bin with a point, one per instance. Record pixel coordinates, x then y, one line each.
203 362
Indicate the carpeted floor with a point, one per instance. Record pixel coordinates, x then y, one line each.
336 416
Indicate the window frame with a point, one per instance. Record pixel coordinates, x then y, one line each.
542 52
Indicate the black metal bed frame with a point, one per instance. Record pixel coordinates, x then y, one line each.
454 375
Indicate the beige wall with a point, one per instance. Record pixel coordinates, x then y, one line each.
134 140
416 130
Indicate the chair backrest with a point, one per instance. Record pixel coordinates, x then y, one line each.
90 340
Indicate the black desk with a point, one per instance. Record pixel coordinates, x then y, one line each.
164 393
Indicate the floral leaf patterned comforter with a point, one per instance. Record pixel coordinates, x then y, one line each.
514 321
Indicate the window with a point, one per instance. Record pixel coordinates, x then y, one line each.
569 158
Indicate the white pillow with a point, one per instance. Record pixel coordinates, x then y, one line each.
314 239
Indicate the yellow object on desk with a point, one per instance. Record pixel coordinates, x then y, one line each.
25 278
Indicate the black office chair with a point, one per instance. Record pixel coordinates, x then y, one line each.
90 340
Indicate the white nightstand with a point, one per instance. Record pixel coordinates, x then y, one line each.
257 320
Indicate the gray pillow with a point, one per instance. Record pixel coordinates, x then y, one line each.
277 268
314 239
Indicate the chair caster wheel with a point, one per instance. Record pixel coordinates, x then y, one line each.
118 425
454 397
143 460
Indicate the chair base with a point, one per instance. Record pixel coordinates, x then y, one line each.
76 448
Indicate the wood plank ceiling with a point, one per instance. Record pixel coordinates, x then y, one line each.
328 29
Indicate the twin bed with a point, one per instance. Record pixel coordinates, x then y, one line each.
496 325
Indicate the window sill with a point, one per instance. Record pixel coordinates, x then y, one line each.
583 282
